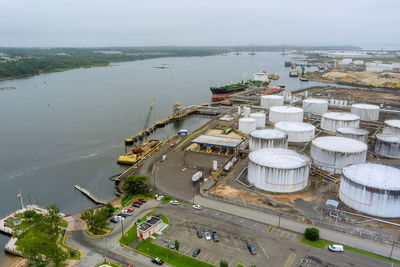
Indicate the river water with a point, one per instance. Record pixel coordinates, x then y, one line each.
67 128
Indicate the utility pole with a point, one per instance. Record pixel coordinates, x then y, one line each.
122 226
20 198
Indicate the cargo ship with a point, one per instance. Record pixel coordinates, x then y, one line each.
271 91
138 153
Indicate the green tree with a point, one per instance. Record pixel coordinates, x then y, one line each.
311 233
29 214
32 244
223 263
52 218
55 254
135 185
95 220
177 245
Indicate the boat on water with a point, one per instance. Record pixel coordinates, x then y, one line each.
288 63
261 77
229 89
293 73
138 153
273 76
271 91
303 79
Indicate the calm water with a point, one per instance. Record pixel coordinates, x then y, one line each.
67 128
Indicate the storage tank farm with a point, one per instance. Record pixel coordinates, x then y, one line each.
371 188
278 170
297 131
315 106
332 153
388 145
366 112
285 113
267 138
246 125
268 101
330 121
260 119
353 133
391 127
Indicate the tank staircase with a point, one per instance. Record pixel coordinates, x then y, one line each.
324 174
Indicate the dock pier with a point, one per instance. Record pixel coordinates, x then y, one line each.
90 195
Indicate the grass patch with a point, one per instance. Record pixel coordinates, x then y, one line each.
63 223
109 263
270 229
240 265
102 232
321 243
156 235
131 234
127 199
173 258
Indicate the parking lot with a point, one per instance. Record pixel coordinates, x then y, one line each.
275 248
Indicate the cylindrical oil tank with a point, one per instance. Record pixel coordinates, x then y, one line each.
246 112
330 121
297 131
388 145
371 188
246 125
278 170
366 112
260 119
285 113
353 133
315 106
391 127
332 153
268 101
267 138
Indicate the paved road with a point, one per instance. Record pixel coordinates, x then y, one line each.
328 234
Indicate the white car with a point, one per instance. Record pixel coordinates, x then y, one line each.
160 197
336 248
197 207
174 202
207 236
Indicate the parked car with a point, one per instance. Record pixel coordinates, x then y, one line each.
160 197
336 248
199 233
196 252
127 212
136 201
252 249
215 236
136 205
123 214
174 202
207 236
172 246
115 219
142 200
157 261
197 207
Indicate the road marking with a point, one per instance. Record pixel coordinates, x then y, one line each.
211 259
262 249
122 255
205 256
290 260
294 236
188 251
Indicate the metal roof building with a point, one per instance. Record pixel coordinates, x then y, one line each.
217 141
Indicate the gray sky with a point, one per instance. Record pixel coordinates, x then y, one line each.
198 22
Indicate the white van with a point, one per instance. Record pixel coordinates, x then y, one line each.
336 248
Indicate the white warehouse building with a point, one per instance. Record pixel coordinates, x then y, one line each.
371 188
278 170
332 153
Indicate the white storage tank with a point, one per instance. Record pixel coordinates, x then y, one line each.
366 112
391 127
267 138
330 121
315 106
297 131
268 101
353 133
260 119
388 145
278 170
285 113
246 125
371 188
332 153
246 112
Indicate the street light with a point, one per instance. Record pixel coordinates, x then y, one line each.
122 226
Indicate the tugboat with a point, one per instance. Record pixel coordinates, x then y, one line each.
137 153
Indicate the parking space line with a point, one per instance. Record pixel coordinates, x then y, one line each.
262 249
211 259
294 236
290 260
205 257
187 251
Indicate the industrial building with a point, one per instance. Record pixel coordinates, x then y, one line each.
149 227
371 188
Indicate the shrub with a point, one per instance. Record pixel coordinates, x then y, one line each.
29 214
311 233
223 264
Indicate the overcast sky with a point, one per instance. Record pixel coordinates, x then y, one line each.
198 22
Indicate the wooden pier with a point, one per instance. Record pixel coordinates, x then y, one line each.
90 195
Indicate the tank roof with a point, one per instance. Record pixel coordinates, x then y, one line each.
257 115
392 138
352 130
341 116
279 158
268 134
374 175
286 109
315 100
365 106
272 96
247 120
393 123
295 126
339 144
